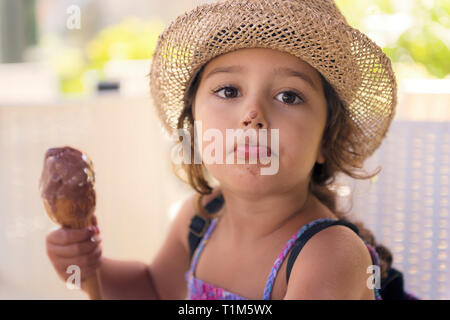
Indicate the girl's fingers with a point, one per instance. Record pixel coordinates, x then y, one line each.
84 262
66 236
73 250
95 224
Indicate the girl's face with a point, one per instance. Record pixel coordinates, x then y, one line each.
261 88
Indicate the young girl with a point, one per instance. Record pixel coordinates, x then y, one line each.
292 65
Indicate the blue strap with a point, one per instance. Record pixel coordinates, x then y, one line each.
200 224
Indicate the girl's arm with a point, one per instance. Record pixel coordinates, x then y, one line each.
126 280
164 278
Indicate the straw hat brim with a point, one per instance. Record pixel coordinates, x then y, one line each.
314 31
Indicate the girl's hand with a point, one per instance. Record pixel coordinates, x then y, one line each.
80 247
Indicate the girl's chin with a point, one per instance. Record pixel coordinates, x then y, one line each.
253 171
245 177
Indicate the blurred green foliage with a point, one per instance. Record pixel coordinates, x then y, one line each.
426 40
130 39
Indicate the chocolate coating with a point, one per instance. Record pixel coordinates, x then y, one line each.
68 173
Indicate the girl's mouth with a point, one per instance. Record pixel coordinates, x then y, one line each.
253 151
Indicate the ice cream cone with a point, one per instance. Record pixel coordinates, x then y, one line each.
68 194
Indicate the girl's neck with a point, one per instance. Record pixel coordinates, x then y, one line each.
250 217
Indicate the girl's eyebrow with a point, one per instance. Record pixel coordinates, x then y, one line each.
285 71
229 69
294 73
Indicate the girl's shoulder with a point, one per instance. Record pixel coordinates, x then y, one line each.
337 260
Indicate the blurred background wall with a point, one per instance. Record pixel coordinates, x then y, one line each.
50 71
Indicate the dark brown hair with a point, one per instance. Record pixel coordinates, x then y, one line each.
338 151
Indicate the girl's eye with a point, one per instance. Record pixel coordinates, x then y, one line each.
290 97
228 92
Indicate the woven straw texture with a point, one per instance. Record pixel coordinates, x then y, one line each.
313 30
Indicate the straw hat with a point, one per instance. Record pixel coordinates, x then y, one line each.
313 30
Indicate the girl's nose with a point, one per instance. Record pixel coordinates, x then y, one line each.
254 119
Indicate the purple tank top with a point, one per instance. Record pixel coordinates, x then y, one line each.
200 290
